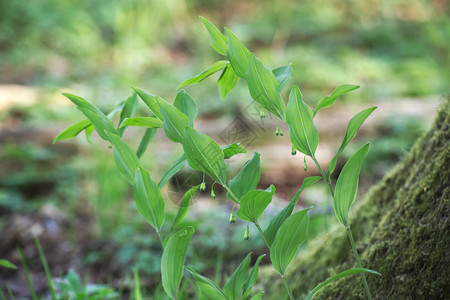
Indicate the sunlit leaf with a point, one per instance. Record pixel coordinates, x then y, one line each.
329 100
347 185
353 126
263 87
72 131
146 139
186 105
219 41
175 167
289 237
227 81
247 179
128 110
238 54
219 65
302 131
204 154
174 122
283 75
236 282
126 160
232 149
340 275
172 260
254 203
279 218
252 277
148 122
150 101
149 201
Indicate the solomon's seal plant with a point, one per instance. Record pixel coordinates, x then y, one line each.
288 229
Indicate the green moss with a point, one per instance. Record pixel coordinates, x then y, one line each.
401 228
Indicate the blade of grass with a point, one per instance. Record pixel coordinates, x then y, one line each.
27 275
48 275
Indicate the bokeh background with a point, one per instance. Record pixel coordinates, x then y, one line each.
70 195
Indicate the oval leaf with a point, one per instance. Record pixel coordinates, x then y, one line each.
283 75
302 131
238 54
200 278
185 104
126 160
72 131
149 201
254 203
232 149
172 260
263 87
174 122
329 100
227 81
148 122
347 185
205 74
289 237
150 101
247 179
208 292
219 41
204 154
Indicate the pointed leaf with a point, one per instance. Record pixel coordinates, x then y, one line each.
204 154
149 201
347 185
247 179
208 292
254 203
234 285
257 296
185 104
150 101
329 100
219 65
302 131
101 123
263 87
227 81
184 206
353 126
278 219
200 278
283 75
289 237
238 54
252 277
126 160
146 139
232 149
172 260
88 132
5 263
148 122
175 167
128 110
175 121
219 41
340 275
72 131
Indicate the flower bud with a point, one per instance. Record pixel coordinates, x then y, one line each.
213 195
262 114
232 218
203 186
305 167
293 151
279 132
247 233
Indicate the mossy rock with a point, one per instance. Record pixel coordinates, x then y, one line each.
401 228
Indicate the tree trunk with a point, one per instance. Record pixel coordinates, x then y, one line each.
401 228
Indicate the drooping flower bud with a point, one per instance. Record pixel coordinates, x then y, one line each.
293 151
262 114
305 167
279 132
232 218
203 186
247 233
213 195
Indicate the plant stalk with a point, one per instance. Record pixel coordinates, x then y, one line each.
325 177
291 297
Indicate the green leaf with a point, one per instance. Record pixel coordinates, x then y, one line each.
150 101
252 277
7 264
347 185
353 126
175 167
101 123
146 139
263 87
329 100
137 285
200 278
302 131
72 131
278 219
208 292
219 41
238 54
126 160
227 81
289 237
148 122
247 179
232 149
219 65
204 154
184 206
257 296
236 282
128 110
340 275
172 260
149 201
185 104
174 122
254 203
88 132
283 75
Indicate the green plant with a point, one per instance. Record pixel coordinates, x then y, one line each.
287 230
